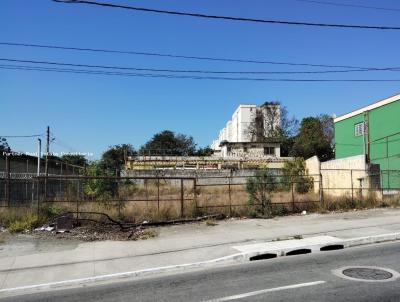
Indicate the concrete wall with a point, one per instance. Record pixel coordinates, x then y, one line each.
203 177
350 176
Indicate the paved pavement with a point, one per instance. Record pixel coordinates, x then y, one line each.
296 278
26 262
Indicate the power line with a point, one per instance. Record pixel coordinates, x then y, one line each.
232 60
21 136
242 19
195 71
350 5
151 75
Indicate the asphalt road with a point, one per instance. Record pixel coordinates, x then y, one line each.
293 278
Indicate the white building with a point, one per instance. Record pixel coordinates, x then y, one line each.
236 135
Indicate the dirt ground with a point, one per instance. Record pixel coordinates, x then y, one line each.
96 232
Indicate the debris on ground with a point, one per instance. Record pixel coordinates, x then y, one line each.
64 223
47 228
98 232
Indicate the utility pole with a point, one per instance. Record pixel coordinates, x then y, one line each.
39 155
46 168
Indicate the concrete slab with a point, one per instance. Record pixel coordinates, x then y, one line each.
288 245
37 276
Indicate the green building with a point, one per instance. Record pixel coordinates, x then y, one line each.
374 131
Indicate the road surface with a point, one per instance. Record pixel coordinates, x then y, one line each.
292 278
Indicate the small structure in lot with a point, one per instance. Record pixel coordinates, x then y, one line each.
248 149
350 176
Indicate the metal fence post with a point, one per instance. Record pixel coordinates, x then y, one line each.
195 194
352 185
230 195
38 188
8 197
119 200
158 196
321 190
293 203
77 203
182 197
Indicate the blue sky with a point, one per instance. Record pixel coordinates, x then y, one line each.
87 113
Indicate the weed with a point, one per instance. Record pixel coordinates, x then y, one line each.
27 223
211 222
145 234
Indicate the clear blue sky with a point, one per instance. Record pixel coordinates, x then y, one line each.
90 112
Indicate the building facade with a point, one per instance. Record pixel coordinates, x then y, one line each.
373 131
235 139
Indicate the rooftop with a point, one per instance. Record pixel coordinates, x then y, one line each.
377 104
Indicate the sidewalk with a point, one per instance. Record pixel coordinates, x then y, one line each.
25 262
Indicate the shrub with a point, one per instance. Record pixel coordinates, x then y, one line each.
259 189
295 172
27 223
280 210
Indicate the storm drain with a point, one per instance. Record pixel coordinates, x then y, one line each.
263 257
332 247
367 273
298 252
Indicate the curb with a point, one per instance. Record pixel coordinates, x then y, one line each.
116 276
238 257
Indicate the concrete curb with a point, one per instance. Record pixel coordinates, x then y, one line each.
140 273
238 257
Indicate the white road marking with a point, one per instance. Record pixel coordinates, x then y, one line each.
263 291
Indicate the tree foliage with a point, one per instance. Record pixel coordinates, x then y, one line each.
272 122
206 151
169 143
4 147
113 159
328 127
312 140
75 159
260 188
295 173
97 188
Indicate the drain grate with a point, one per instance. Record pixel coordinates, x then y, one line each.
366 273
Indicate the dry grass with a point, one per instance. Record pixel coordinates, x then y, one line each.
18 219
145 202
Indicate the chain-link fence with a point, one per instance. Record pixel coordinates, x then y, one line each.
167 198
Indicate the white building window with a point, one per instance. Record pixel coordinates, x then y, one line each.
269 151
359 129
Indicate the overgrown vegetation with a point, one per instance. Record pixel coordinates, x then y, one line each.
18 220
259 189
295 173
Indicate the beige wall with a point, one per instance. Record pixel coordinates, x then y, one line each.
346 176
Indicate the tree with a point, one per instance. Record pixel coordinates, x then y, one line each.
75 159
260 188
101 189
256 128
169 143
113 159
312 140
207 151
4 147
328 127
271 121
294 173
